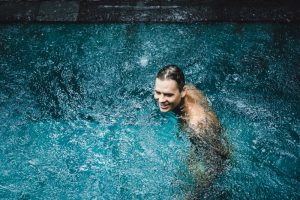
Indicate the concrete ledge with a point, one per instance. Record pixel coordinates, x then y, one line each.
18 11
58 11
91 11
189 11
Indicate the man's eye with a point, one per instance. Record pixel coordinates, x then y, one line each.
168 95
157 92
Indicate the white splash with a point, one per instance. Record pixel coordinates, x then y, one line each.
144 61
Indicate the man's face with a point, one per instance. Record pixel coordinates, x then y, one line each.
167 94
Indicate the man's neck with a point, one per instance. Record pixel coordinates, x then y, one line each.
179 110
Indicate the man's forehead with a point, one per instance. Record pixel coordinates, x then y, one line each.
166 84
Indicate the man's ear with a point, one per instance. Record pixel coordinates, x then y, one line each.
183 92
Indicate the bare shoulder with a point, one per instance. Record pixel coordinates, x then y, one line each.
195 96
200 116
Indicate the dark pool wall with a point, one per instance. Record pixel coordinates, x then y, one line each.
149 11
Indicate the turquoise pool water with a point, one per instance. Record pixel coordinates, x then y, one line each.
78 120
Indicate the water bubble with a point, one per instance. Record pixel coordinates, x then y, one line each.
144 61
84 168
236 77
33 162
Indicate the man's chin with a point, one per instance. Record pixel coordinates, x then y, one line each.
164 109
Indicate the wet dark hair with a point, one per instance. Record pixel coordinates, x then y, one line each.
174 73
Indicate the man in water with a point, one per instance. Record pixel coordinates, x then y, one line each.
209 148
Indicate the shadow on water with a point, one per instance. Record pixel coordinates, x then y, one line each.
57 89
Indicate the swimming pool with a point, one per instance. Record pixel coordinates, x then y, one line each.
78 120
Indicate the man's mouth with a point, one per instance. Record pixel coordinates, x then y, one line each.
163 106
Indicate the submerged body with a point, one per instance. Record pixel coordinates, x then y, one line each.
209 149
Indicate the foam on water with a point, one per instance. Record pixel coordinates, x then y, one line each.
78 119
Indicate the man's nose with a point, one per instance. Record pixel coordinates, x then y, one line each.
161 99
